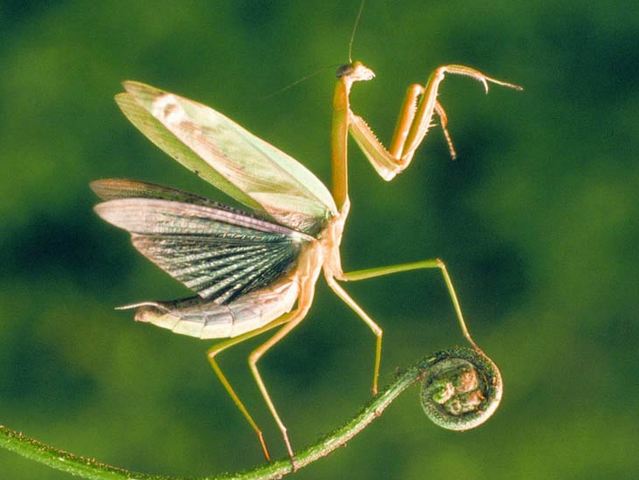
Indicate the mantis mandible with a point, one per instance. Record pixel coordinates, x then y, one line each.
255 272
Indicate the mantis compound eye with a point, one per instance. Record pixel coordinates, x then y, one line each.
461 389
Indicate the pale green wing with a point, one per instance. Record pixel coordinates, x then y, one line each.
169 143
228 156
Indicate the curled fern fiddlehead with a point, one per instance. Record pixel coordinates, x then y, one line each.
461 389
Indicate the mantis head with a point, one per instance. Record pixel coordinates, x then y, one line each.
355 72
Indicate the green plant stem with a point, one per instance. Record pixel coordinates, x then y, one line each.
92 469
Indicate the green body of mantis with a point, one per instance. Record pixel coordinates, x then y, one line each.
256 272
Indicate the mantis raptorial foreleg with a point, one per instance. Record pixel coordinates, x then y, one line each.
415 119
407 267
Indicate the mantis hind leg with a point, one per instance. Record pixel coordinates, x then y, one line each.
293 319
219 348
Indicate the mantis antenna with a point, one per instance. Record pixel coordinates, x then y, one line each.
321 69
350 43
298 81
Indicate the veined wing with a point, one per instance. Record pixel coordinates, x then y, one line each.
217 252
115 188
234 160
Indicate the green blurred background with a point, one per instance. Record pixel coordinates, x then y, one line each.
537 220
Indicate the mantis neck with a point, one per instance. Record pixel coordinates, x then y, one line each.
339 142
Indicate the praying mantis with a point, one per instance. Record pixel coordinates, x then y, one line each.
254 272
